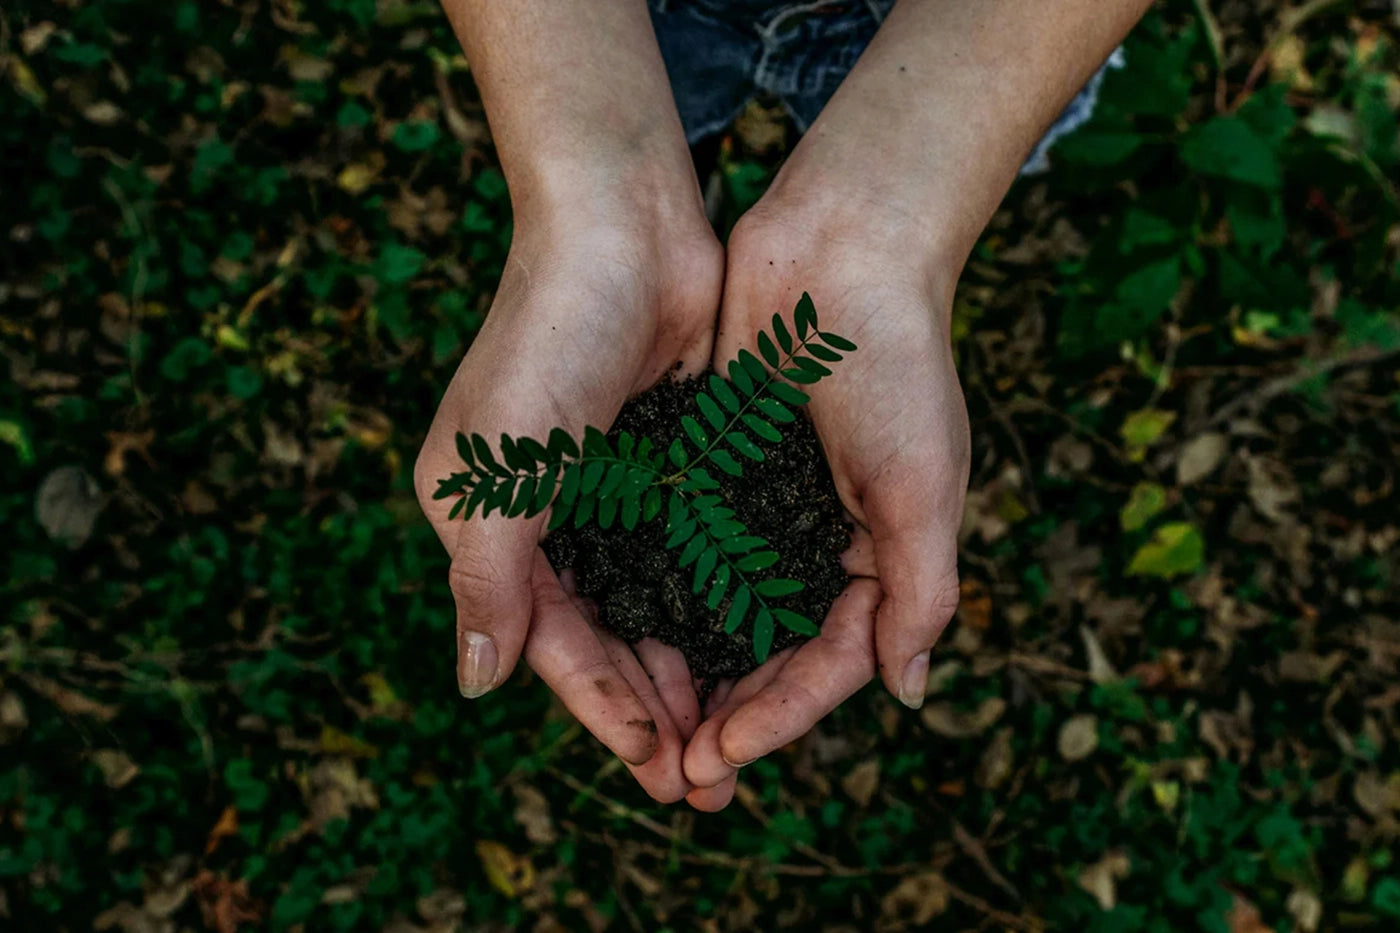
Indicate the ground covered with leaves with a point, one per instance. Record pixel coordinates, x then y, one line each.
244 244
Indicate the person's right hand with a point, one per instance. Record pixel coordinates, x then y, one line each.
598 302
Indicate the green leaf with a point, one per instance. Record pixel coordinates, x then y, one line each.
695 432
612 480
822 353
725 394
741 378
1228 147
483 456
631 511
762 635
774 409
795 622
805 315
777 587
762 428
651 504
1146 501
625 443
759 560
723 460
710 410
479 494
702 480
786 393
836 341
416 136
741 544
703 568
607 512
499 500
801 376
811 366
742 443
513 456
456 508
1175 549
583 510
464 449
545 488
691 551
562 444
718 588
524 495
770 352
737 609
592 476
781 332
595 443
681 532
676 453
535 450
753 366
454 484
568 487
557 517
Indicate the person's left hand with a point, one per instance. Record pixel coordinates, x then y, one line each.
894 429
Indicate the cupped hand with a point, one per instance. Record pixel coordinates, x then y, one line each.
590 311
894 428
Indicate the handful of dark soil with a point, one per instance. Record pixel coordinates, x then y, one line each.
788 498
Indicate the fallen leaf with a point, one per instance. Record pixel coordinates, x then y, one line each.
1100 670
862 781
1175 549
997 760
1243 917
1144 428
226 826
1305 908
916 900
1199 457
974 604
1079 737
116 767
947 720
532 813
68 504
1100 879
1146 500
511 874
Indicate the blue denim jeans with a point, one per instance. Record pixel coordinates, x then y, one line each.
720 53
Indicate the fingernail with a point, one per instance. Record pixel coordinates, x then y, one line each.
476 664
915 682
738 764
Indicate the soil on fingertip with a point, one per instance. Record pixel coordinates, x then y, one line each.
640 591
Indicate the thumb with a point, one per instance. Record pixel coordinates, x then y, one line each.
490 579
919 575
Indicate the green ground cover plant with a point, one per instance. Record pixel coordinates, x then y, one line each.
244 245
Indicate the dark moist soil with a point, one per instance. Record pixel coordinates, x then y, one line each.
788 498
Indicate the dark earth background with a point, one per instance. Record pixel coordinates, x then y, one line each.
245 244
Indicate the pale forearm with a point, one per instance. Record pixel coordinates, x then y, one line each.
930 127
577 98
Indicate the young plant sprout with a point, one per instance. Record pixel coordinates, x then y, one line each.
639 478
